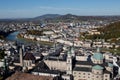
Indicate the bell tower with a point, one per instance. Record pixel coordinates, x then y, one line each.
21 56
69 62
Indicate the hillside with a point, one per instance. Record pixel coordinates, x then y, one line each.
110 33
47 16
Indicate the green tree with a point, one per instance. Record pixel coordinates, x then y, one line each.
2 54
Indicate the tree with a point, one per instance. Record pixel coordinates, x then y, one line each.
2 54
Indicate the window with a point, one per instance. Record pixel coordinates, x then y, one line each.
106 76
97 76
79 73
97 61
30 63
24 64
69 68
68 61
83 73
97 72
51 68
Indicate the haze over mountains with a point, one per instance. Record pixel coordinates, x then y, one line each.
66 17
47 16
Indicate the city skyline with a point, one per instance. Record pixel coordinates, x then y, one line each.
33 8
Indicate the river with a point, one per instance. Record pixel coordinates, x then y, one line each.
12 36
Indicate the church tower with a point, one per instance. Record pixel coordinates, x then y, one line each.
21 56
69 62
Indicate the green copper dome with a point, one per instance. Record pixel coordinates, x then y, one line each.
69 52
97 67
98 55
110 65
72 50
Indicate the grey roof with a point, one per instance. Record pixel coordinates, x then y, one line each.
84 63
29 56
41 65
118 63
56 59
46 71
107 72
82 69
43 68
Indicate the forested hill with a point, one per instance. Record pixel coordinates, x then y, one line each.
111 31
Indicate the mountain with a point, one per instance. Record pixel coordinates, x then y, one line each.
65 18
73 18
47 16
57 18
111 31
68 16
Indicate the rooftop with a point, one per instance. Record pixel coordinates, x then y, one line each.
84 63
98 56
110 64
97 67
29 56
118 62
82 69
26 76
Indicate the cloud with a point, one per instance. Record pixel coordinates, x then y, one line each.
40 10
57 8
76 9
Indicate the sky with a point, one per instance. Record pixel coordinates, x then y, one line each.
34 8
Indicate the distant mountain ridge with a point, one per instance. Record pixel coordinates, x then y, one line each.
64 18
47 16
71 18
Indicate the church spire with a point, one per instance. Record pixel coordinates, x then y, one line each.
98 49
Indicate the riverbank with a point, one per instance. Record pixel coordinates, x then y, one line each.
15 36
3 34
12 36
35 41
